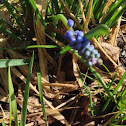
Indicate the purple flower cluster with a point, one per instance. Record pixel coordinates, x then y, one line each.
79 42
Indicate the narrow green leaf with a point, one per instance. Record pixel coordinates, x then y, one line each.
3 124
55 3
116 16
29 10
8 32
10 110
112 10
41 94
11 11
12 62
119 83
65 49
32 2
23 5
123 100
110 94
62 51
88 89
8 25
12 98
18 12
97 31
26 93
32 46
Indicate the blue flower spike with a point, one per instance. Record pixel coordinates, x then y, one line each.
79 42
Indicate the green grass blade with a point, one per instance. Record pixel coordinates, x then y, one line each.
29 10
88 89
114 92
99 13
11 11
12 62
3 124
62 51
116 16
23 5
8 25
110 94
111 12
10 110
26 94
97 31
119 83
56 6
8 32
12 98
37 12
41 94
18 12
32 46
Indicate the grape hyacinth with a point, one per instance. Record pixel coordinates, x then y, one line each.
79 42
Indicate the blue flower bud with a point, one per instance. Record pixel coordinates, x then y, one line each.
97 55
94 61
70 23
79 39
90 48
86 43
80 33
79 45
89 63
72 41
76 32
68 34
100 61
87 53
94 51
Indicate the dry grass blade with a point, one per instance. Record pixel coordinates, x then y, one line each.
105 9
93 19
2 92
66 102
18 74
58 116
39 33
95 41
56 41
70 13
60 85
3 113
40 36
123 28
108 122
4 77
88 16
75 70
82 11
107 6
3 41
114 33
59 68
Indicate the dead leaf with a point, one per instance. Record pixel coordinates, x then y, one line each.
113 53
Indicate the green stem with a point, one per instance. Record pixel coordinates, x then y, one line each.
63 19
